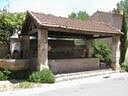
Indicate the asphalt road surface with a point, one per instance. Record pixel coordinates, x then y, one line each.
110 85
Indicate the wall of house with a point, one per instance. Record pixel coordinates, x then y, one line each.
73 65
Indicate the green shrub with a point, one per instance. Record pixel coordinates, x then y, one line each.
2 76
124 66
102 51
21 74
44 76
5 74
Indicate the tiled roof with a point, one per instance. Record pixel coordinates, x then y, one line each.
73 24
110 18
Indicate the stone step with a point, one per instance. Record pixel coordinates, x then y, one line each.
78 75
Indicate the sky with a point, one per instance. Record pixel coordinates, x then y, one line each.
60 7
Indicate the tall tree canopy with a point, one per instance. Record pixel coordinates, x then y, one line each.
9 24
123 40
82 15
122 6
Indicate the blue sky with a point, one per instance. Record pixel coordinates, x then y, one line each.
60 7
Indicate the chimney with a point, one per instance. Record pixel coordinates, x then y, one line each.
118 12
121 12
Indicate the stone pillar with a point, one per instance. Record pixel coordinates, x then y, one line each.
26 46
116 53
42 58
89 49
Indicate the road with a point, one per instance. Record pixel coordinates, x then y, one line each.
110 85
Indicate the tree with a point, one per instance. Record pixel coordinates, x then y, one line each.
122 6
123 40
82 15
72 15
9 24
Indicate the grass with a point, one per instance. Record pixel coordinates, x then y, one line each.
27 84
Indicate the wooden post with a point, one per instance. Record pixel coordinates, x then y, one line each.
89 49
26 46
42 49
116 53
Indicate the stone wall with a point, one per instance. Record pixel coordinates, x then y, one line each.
14 64
57 66
73 65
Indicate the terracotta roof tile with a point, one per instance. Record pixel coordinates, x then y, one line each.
74 24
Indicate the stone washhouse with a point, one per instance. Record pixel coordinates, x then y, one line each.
65 45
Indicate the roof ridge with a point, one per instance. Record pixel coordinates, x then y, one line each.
41 13
31 13
68 21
